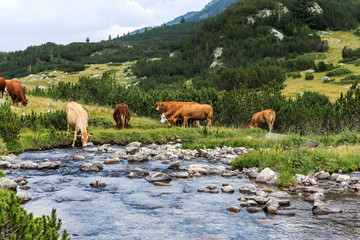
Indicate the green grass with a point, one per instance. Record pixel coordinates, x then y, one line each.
301 161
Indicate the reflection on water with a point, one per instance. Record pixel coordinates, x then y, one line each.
135 209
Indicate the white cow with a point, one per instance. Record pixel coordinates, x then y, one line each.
77 118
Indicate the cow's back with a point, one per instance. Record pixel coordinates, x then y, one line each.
76 114
2 84
194 110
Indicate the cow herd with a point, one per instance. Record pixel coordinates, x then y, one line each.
173 112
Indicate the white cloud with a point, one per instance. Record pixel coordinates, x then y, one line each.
24 23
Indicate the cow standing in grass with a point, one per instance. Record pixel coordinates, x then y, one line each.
121 115
77 118
2 86
264 117
193 112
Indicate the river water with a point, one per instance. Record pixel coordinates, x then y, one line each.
136 209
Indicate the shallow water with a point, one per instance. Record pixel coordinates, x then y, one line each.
136 209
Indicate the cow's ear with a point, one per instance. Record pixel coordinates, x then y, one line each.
89 135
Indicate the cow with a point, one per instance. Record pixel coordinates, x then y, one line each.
169 108
264 117
17 93
121 115
77 118
194 112
2 86
7 83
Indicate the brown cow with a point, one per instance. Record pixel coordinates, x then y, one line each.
194 112
7 83
2 86
121 115
77 118
165 106
266 116
17 93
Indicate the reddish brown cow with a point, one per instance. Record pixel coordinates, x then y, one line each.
194 112
2 86
17 93
121 115
7 83
264 117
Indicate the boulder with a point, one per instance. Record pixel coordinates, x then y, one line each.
343 178
49 165
137 158
248 189
28 165
5 164
254 209
92 167
131 148
175 165
227 189
158 177
25 197
8 183
267 176
322 175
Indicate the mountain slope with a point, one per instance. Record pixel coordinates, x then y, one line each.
212 9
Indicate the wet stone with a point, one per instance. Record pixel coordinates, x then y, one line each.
92 167
179 175
158 177
254 209
78 157
285 212
211 187
162 184
26 187
112 161
233 209
227 189
98 183
175 165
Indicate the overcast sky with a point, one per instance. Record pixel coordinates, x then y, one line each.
33 22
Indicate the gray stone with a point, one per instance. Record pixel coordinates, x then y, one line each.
267 176
158 177
251 172
322 175
112 161
227 189
49 165
313 143
92 167
25 197
131 148
5 164
285 212
104 148
179 175
248 189
258 200
162 184
28 165
137 158
8 183
175 165
280 194
343 178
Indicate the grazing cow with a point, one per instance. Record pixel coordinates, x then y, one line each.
7 83
165 106
77 118
264 117
121 115
17 93
194 112
2 86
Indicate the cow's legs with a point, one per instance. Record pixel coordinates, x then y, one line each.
185 122
75 133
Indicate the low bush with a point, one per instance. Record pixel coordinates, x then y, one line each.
309 76
16 223
10 124
339 72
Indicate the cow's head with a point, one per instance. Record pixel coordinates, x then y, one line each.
161 106
172 121
163 118
84 138
24 102
158 105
